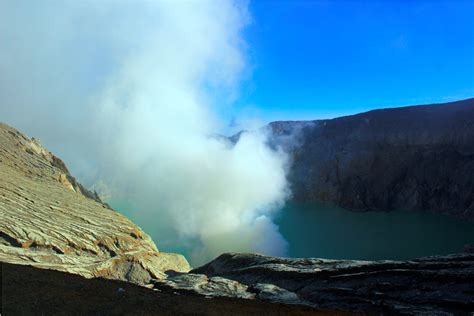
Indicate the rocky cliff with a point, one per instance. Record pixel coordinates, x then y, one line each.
48 220
412 158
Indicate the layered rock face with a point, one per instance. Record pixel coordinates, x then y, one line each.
48 220
412 158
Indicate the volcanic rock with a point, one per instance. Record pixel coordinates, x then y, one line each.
49 220
432 285
408 158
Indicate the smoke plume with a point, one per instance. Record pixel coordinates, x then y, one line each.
133 95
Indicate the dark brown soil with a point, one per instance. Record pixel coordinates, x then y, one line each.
32 291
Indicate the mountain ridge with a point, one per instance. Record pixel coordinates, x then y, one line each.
417 157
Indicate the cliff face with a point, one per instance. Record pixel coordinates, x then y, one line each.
418 157
48 220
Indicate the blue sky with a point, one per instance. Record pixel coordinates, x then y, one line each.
320 59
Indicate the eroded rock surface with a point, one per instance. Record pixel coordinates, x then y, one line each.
203 285
48 220
431 285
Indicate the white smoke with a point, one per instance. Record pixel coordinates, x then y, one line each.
132 94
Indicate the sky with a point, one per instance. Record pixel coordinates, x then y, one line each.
322 59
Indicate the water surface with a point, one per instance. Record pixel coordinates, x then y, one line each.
325 231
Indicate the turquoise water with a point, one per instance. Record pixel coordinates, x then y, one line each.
325 231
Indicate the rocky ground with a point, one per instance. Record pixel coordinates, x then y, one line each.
441 285
31 291
410 158
431 285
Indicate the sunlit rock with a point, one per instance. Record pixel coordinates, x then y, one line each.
48 220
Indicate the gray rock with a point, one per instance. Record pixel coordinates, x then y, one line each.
202 285
439 284
273 293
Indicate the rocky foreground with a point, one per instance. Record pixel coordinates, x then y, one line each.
430 285
32 291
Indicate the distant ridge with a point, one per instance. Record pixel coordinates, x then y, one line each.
414 158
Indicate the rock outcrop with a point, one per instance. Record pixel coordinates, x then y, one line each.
202 285
48 220
411 158
432 285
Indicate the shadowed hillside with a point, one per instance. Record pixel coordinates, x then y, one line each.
415 158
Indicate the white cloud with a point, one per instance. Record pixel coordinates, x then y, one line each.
130 93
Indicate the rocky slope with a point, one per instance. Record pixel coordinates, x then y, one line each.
412 158
48 220
440 285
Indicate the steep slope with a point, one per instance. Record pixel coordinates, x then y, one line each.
48 220
417 157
